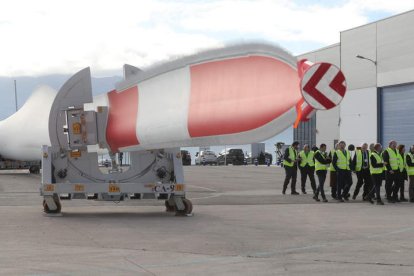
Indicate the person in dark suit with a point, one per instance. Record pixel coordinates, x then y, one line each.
376 170
290 163
360 164
322 162
332 172
390 157
402 176
409 163
307 168
342 164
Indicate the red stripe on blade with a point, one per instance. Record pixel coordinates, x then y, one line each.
240 94
122 118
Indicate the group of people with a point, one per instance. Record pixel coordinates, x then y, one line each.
372 166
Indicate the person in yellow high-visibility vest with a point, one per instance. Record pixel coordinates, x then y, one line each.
342 164
390 158
332 172
322 162
376 168
290 163
409 165
307 167
371 147
361 168
402 176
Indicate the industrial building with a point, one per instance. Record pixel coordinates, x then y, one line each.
378 62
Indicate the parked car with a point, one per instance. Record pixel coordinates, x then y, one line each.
186 157
261 159
232 156
265 159
206 157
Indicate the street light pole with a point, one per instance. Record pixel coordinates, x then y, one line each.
376 69
362 57
15 94
377 91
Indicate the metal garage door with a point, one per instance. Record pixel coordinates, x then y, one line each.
397 115
306 132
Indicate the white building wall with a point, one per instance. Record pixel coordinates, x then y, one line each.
358 116
388 42
359 73
327 127
395 43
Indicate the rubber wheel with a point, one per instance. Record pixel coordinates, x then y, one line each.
48 211
188 208
168 207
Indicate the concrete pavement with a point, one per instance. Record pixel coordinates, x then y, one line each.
242 225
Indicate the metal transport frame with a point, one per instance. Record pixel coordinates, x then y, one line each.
70 164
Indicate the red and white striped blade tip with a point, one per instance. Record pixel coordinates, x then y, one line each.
323 86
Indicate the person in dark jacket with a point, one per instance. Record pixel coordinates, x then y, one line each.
402 176
332 172
342 164
392 172
322 162
376 169
409 162
371 147
347 188
290 163
307 168
361 168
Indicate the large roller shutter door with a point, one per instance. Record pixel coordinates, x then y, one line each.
306 132
397 114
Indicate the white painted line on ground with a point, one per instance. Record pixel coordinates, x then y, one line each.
204 188
204 197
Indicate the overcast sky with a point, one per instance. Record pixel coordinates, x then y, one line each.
48 37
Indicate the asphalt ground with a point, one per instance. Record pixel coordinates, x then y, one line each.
242 225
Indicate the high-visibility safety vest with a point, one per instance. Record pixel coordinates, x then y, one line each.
318 165
358 165
393 159
384 169
378 158
292 156
343 160
331 167
410 169
306 159
400 162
